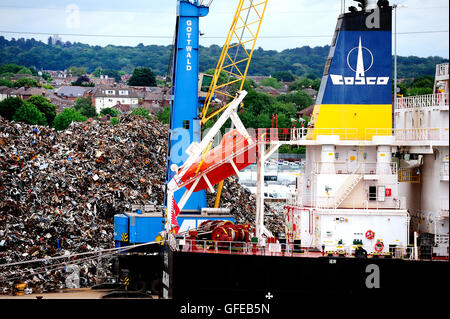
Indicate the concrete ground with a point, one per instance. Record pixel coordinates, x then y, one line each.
81 293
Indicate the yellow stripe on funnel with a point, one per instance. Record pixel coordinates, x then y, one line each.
352 121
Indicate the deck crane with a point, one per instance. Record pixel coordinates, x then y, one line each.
234 61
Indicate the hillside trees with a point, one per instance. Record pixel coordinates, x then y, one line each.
142 77
298 61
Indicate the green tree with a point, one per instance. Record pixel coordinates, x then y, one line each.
316 84
140 111
85 107
46 76
34 71
83 80
113 74
311 76
209 74
160 82
402 88
114 121
98 71
284 76
109 110
29 114
26 81
44 106
9 68
142 77
69 115
24 70
164 115
301 83
271 82
419 91
9 106
301 99
110 73
76 71
6 82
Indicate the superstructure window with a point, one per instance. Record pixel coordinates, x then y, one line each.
372 193
186 125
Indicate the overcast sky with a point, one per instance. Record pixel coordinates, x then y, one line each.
311 22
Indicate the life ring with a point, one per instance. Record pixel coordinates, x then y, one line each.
370 234
379 246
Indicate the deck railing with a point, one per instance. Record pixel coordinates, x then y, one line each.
365 168
299 134
282 249
420 101
270 135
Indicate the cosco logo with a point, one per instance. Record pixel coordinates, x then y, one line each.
359 60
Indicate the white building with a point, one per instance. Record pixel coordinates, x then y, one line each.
108 97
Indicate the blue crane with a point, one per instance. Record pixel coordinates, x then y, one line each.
185 126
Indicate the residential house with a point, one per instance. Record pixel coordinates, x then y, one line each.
125 78
61 78
311 92
103 80
306 112
6 92
153 98
270 90
71 92
123 108
107 97
61 103
257 78
26 92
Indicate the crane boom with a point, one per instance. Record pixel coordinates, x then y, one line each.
236 55
234 60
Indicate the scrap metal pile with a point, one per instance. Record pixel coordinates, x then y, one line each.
59 192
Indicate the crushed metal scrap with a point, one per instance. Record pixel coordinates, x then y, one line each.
60 190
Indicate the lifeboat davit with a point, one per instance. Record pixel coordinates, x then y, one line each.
217 165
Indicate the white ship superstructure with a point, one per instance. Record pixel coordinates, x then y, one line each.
378 193
422 135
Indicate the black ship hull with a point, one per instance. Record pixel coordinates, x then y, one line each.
205 276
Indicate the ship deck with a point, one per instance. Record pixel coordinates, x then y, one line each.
280 250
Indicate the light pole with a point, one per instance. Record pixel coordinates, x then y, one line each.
395 6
